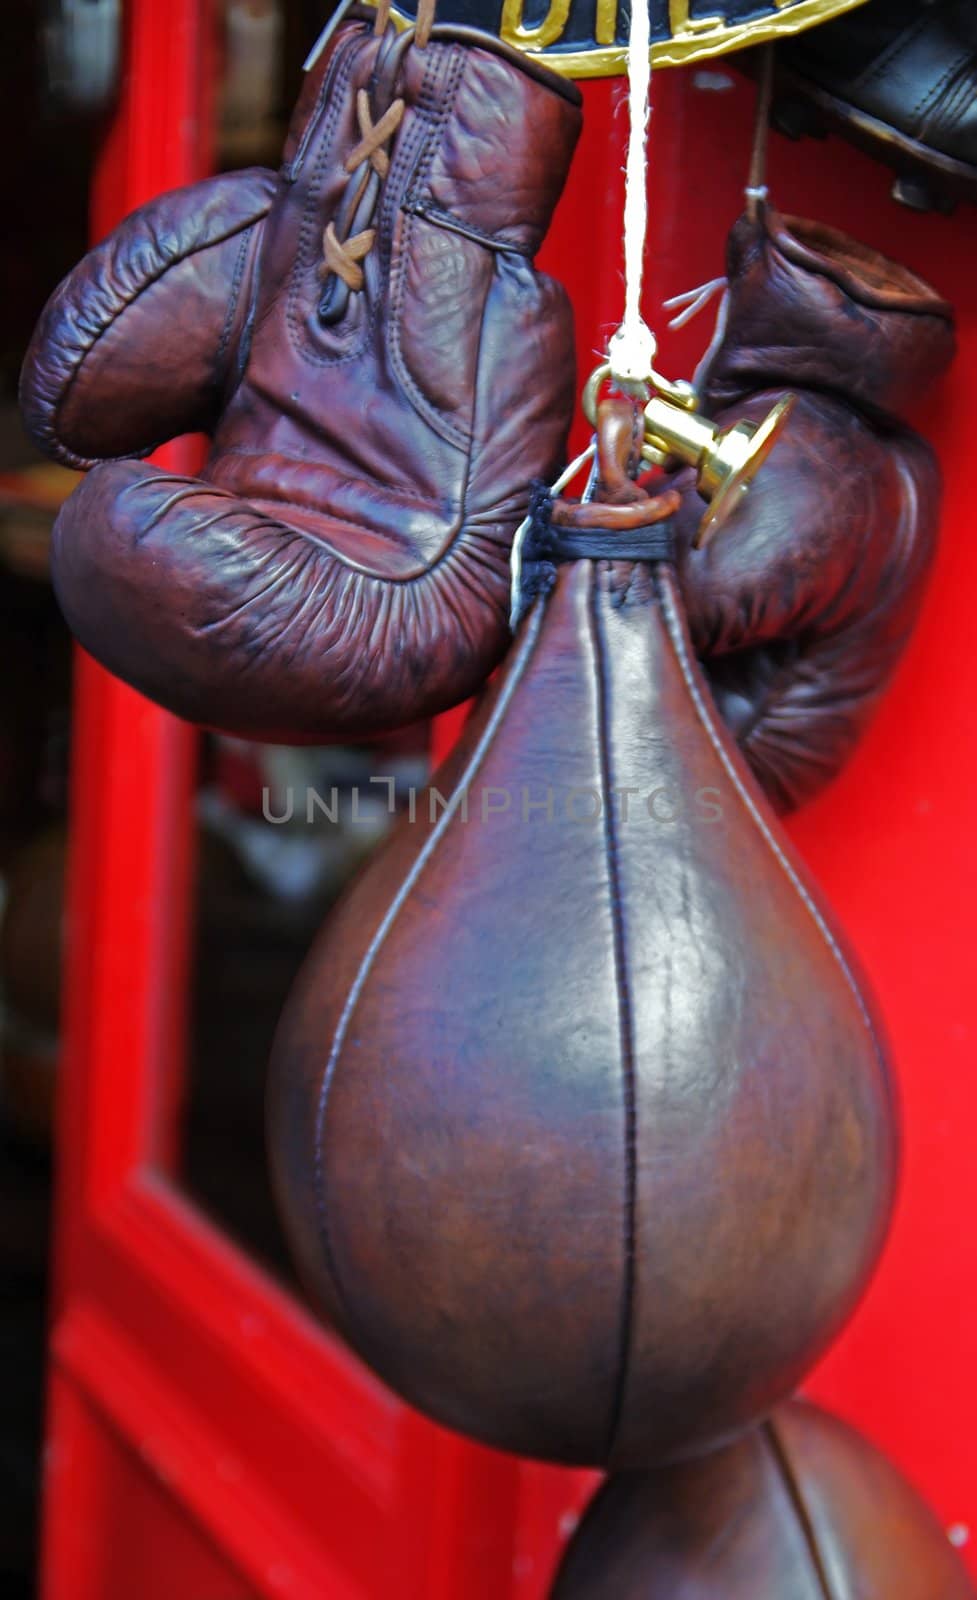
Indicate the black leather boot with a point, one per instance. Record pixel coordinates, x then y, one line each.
899 79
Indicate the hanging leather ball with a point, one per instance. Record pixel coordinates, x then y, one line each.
580 1118
801 1508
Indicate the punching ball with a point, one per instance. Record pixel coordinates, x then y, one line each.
580 1118
802 1508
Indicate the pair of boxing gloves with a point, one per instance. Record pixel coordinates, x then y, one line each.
383 374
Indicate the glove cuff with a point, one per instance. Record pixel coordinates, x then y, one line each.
509 129
809 307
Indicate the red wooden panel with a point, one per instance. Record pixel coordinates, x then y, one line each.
153 1550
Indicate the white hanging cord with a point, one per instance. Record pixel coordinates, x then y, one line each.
631 350
692 301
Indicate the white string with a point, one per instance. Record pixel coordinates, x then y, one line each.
692 301
631 350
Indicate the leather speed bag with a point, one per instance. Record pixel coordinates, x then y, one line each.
802 1508
579 1117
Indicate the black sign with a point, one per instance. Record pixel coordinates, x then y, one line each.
588 38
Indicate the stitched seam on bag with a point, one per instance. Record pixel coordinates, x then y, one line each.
625 1012
795 1495
57 408
448 430
523 657
674 627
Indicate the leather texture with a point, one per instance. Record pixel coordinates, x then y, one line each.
579 1118
911 67
897 79
801 606
341 566
802 1508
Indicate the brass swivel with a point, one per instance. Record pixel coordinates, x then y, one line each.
726 460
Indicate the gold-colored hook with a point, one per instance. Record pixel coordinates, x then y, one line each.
726 460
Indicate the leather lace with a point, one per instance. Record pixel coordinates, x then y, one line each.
348 239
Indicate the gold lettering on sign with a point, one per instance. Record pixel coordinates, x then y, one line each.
513 30
685 27
605 30
690 38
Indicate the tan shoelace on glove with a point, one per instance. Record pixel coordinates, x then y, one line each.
369 161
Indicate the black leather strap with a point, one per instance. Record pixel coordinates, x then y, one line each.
545 548
655 543
547 543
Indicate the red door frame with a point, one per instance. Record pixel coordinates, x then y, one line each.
168 1346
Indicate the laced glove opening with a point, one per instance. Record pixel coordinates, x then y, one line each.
378 413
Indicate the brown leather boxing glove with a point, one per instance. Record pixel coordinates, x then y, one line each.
383 373
800 607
